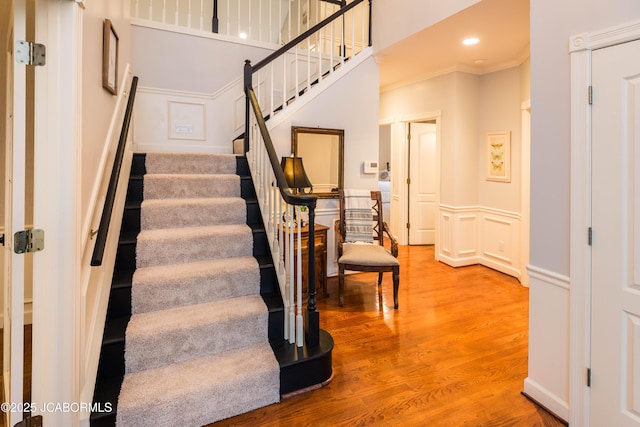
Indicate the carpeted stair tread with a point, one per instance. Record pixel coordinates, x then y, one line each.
174 335
173 213
181 245
187 163
182 186
165 286
202 390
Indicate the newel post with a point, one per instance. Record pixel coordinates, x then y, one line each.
248 77
312 320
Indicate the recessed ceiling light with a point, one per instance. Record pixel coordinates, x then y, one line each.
470 41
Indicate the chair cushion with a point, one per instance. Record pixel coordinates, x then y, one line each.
366 254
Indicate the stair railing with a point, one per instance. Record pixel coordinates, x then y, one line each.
286 74
279 205
281 210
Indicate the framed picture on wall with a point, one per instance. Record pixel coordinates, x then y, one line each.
109 57
498 148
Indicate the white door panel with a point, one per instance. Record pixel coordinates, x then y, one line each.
615 311
423 184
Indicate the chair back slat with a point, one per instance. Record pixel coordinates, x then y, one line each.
376 207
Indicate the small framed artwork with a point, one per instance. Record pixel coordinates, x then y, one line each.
109 57
499 156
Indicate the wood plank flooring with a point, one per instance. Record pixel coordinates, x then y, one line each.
453 354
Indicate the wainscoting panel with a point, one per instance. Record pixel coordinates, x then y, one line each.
548 375
479 235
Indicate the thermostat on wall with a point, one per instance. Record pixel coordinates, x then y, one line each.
370 167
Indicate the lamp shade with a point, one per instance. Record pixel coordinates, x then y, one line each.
294 173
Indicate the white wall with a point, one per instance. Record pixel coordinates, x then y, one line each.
97 103
500 110
198 62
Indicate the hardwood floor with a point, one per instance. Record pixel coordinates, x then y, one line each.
453 354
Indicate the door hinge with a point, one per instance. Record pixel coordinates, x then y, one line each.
408 225
28 53
590 94
590 236
31 240
408 181
30 421
588 377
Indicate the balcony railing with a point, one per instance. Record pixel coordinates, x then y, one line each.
268 21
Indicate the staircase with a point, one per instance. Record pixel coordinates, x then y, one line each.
195 293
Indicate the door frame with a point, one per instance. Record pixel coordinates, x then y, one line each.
580 48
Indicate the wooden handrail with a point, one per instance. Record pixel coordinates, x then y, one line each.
105 219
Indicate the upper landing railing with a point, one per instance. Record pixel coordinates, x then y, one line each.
268 21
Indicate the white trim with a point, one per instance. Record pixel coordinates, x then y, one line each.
549 277
525 189
545 398
580 47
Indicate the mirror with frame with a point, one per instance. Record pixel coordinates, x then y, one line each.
322 152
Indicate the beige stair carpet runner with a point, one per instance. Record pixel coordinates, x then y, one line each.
196 347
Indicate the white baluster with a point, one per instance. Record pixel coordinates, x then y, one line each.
150 10
331 48
363 43
189 14
201 15
290 268
308 63
353 33
272 91
164 11
285 87
281 228
250 23
299 321
137 9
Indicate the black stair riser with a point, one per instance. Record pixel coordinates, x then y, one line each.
247 191
268 280
260 244
138 164
111 361
126 256
276 325
242 166
119 302
131 218
135 188
253 213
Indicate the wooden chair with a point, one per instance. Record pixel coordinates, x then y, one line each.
369 257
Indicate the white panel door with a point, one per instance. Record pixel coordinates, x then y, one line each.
423 184
615 307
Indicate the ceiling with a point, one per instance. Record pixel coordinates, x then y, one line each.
501 25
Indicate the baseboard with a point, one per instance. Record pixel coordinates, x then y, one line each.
546 399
